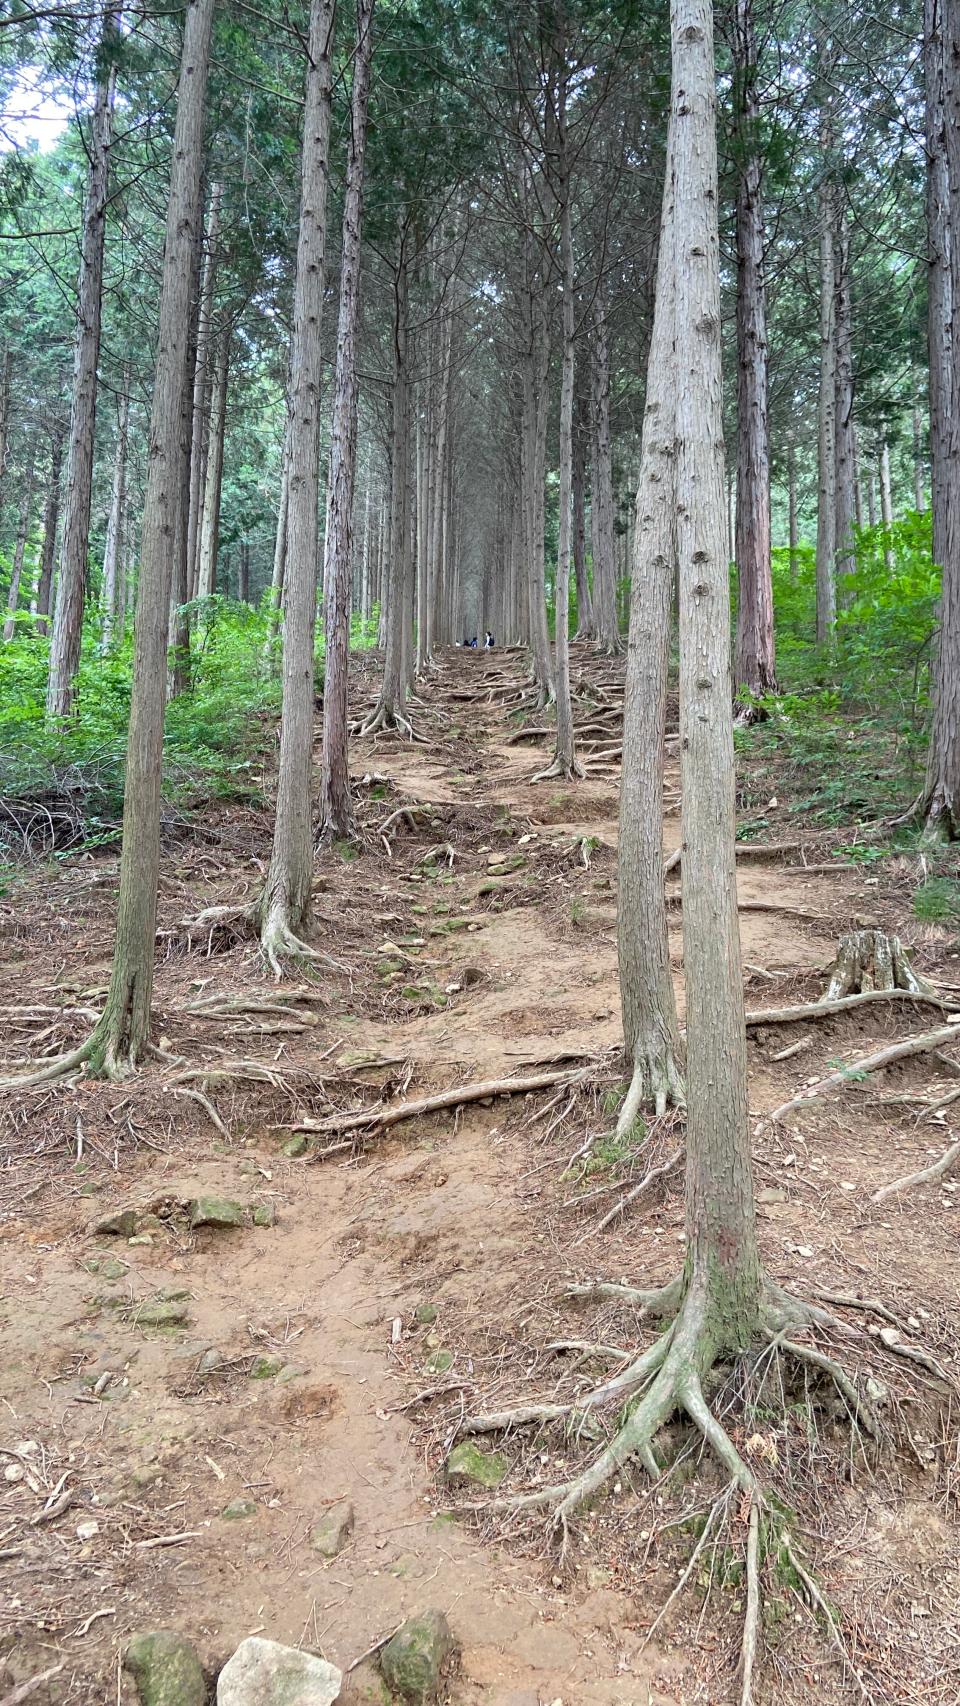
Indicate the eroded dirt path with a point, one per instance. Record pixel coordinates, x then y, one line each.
475 968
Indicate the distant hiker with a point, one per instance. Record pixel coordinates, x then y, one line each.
473 643
488 642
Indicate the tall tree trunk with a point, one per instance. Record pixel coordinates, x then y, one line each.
754 659
845 434
585 626
871 498
794 532
857 479
886 501
335 809
285 903
74 573
941 801
827 417
113 548
279 555
565 759
939 272
650 1033
919 483
4 413
179 674
604 561
723 1260
243 573
213 484
48 550
120 1038
19 551
202 389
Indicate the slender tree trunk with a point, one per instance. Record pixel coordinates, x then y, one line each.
335 809
179 673
120 1037
939 270
279 555
19 551
585 627
113 548
650 1033
243 573
871 498
604 564
285 903
886 501
202 389
827 414
794 532
857 479
845 440
754 659
4 413
74 571
565 759
213 484
48 550
942 793
919 483
723 1260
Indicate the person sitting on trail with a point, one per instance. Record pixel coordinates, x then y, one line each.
473 643
488 642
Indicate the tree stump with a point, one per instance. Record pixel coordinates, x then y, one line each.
871 959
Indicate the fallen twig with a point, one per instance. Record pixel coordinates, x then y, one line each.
382 1117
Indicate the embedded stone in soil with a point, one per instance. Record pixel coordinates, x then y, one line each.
330 1535
414 1660
216 1212
165 1669
264 1673
468 1466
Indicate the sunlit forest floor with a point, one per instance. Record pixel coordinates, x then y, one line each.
183 1402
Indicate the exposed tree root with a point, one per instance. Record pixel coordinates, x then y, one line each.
387 717
646 1185
869 960
279 944
824 1008
656 1079
561 770
923 1176
875 1062
744 850
380 1118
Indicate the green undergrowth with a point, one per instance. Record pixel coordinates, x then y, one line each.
217 734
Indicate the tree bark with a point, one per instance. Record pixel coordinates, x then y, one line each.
48 550
585 627
754 658
723 1260
120 1037
650 1033
793 529
846 453
886 501
202 389
213 483
19 551
182 584
919 482
939 285
285 903
826 409
565 759
243 573
335 809
74 569
942 792
113 548
4 413
604 563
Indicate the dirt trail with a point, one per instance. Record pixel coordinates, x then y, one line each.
463 1216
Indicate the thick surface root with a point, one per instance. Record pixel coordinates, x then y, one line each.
657 1081
560 769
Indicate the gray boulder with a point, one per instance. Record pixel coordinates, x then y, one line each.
264 1673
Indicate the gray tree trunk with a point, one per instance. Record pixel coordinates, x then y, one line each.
942 792
285 902
754 657
650 1033
19 551
845 433
113 548
202 389
585 628
120 1037
601 509
48 550
4 413
886 500
74 569
213 483
335 808
793 529
939 286
827 421
919 481
722 1255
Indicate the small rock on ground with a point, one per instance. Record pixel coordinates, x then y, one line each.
330 1535
413 1662
468 1466
165 1669
264 1673
216 1211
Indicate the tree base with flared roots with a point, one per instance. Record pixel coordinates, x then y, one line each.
656 1081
